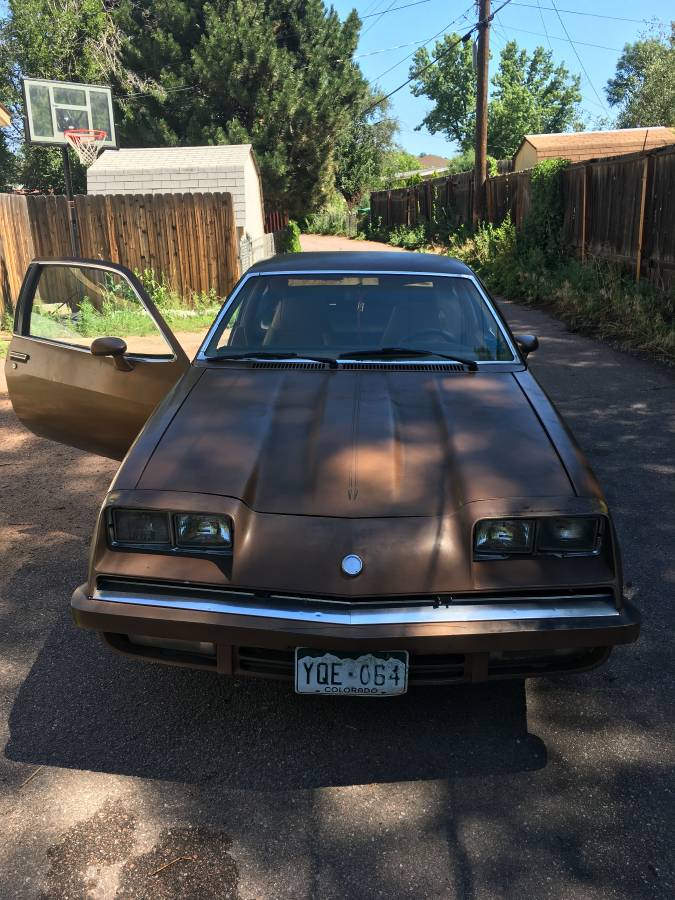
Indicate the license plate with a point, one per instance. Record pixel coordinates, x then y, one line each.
374 674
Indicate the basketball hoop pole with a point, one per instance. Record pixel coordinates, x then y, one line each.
74 233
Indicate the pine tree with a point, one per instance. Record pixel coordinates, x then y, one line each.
274 73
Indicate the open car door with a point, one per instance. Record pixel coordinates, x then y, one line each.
90 356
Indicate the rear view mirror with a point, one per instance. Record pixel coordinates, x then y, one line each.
115 347
527 343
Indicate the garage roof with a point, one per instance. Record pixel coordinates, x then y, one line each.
221 156
590 144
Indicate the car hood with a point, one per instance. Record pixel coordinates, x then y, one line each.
356 443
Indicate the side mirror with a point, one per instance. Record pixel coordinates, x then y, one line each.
527 343
115 347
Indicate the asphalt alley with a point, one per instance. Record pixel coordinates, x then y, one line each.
127 780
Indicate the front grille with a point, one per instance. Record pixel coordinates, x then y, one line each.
424 669
437 669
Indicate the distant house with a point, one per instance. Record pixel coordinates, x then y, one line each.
579 145
231 168
429 162
429 165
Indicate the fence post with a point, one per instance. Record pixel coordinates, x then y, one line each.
388 222
583 214
641 220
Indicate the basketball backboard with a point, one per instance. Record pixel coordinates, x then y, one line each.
53 107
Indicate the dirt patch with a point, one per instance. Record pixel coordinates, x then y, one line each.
313 243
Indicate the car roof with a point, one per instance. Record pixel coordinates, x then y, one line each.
362 261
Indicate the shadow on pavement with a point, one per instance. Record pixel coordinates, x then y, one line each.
84 707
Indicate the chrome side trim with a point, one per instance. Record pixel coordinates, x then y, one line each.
297 610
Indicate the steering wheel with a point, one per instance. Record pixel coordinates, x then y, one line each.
429 332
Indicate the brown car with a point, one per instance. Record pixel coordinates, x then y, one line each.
357 484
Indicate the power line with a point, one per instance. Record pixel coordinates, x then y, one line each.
543 22
379 16
428 41
394 9
371 5
555 37
480 24
576 12
389 49
576 53
374 6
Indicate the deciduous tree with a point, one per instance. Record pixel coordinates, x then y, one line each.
361 153
643 87
530 95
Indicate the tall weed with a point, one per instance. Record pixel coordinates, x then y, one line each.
595 297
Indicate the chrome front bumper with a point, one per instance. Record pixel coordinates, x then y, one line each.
389 612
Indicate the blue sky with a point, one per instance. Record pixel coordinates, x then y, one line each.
418 23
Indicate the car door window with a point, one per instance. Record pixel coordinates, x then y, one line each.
75 304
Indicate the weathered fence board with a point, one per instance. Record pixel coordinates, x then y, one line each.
189 238
621 209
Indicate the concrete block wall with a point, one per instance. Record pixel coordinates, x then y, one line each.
177 180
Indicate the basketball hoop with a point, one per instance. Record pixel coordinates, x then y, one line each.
86 142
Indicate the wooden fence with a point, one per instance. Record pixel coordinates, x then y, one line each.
275 219
189 238
620 209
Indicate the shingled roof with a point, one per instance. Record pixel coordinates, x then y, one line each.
579 145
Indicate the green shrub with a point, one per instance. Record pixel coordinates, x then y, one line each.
288 239
332 218
114 318
410 237
544 220
167 298
595 297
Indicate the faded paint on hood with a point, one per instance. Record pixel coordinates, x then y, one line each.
356 443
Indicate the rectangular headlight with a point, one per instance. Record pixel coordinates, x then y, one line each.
497 536
197 531
141 527
568 534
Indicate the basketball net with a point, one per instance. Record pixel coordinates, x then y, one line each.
86 142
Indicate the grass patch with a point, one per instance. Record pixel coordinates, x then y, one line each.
117 312
4 345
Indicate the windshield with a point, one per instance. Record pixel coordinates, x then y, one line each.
335 315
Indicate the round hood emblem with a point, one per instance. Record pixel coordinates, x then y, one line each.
352 565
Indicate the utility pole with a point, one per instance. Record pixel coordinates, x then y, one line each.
482 65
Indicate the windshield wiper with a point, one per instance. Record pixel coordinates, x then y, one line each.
254 355
386 352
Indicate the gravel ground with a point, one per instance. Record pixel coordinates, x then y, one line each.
123 779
